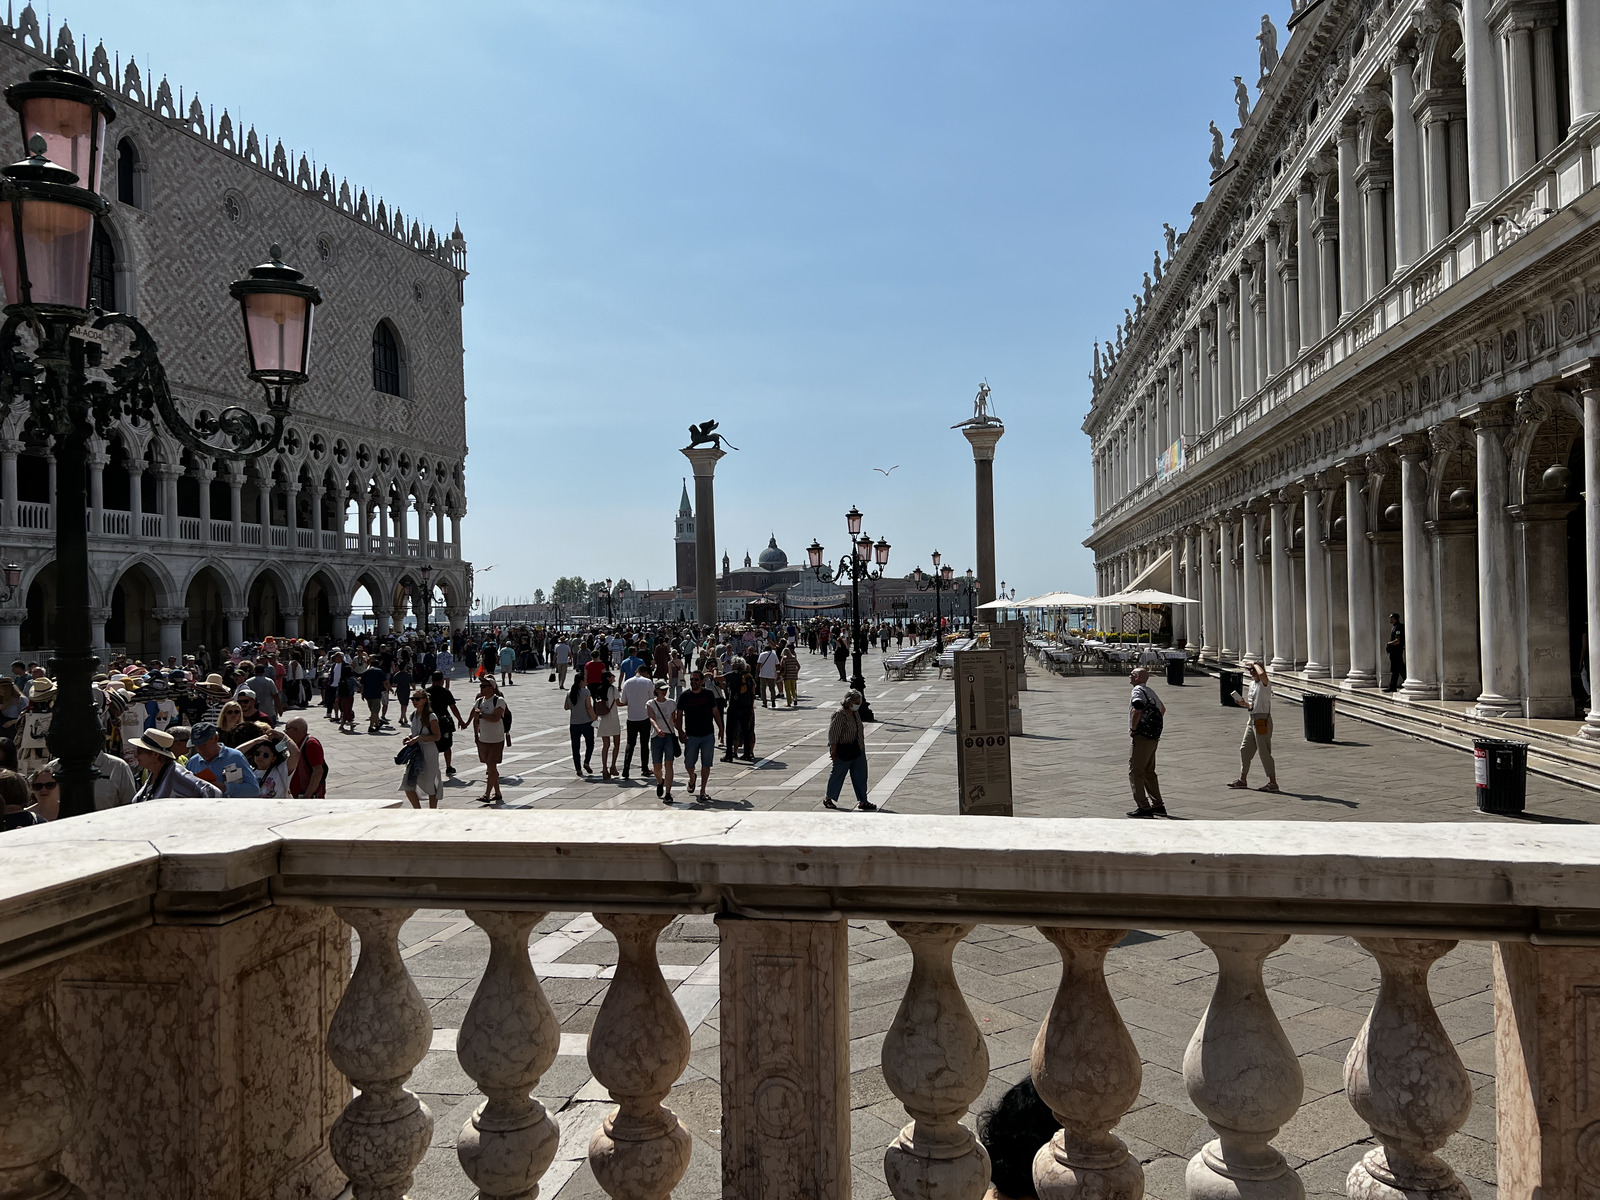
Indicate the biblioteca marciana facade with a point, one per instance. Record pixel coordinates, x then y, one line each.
368 487
1366 380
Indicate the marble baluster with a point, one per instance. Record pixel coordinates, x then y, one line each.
508 1039
1087 1070
1405 1080
1242 1074
41 1093
936 1063
379 1033
637 1050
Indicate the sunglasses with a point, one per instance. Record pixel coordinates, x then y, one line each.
47 786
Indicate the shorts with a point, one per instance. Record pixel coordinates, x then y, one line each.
703 745
375 706
490 753
447 739
661 749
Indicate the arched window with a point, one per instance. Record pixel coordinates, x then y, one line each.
103 270
386 363
130 174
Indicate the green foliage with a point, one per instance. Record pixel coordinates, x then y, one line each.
570 589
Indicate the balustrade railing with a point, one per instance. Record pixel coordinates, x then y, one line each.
221 531
32 515
189 529
278 535
116 522
783 886
306 539
151 525
251 532
331 539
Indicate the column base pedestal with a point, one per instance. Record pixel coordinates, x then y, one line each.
1280 666
1315 671
1358 683
1496 706
1589 731
1417 692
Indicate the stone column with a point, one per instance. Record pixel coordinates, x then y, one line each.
1518 46
1227 399
1544 84
97 493
1282 586
1249 382
340 616
1208 396
291 621
1352 239
1252 630
1310 267
8 482
1583 58
1436 155
171 621
1291 311
1422 664
135 499
1486 161
1358 556
1541 539
1375 185
203 478
1275 314
235 621
704 461
1587 377
97 628
1319 654
1497 649
1328 267
168 474
382 621
983 439
1407 162
236 507
11 620
1210 640
1191 424
1230 627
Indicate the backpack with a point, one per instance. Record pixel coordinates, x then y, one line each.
1151 722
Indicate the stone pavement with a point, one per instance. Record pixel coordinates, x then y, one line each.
1071 762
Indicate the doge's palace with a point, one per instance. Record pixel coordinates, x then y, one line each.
1366 379
368 487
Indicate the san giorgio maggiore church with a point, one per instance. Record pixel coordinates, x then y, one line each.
1366 378
368 487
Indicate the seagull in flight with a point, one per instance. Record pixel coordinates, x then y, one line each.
884 473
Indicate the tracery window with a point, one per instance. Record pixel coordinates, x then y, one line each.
103 270
386 376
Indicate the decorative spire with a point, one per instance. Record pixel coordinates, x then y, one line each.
684 510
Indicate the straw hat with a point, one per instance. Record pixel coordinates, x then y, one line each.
214 686
157 741
43 689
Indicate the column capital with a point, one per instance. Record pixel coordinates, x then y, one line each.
704 459
14 615
1411 445
984 438
335 610
170 616
1491 414
292 613
99 614
1448 436
1314 482
1584 375
1381 461
11 446
1354 467
1288 494
235 614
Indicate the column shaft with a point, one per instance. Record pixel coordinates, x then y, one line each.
1275 314
1226 397
1352 243
1486 160
1319 655
1583 58
1544 88
1591 528
1252 592
1310 267
1407 165
1437 138
1519 82
1497 625
1249 383
1416 548
1358 556
1282 588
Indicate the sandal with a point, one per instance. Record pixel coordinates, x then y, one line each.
1238 783
1269 787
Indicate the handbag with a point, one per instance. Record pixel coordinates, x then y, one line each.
1260 724
552 678
676 750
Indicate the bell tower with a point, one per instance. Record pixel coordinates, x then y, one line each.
684 542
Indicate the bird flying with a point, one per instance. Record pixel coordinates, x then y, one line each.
884 473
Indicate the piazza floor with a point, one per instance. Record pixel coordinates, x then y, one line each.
1071 761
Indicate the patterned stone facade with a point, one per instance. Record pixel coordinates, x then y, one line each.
369 486
1360 382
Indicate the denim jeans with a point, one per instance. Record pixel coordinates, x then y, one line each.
857 769
582 734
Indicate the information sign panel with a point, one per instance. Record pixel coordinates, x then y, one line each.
983 733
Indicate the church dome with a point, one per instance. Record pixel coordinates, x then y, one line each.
772 558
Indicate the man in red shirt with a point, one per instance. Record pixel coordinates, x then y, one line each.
310 779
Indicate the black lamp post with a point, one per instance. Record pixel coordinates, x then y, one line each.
611 618
971 589
51 339
938 582
857 565
427 599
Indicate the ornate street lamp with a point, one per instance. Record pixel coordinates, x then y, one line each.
51 340
855 566
13 578
610 616
938 581
427 598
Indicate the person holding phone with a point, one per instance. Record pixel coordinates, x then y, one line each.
1258 733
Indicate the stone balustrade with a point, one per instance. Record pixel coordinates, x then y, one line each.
175 980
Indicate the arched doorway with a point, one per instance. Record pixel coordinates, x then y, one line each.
132 625
39 629
206 625
264 605
316 617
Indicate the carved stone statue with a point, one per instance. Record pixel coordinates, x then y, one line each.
1218 158
1149 287
1241 95
1127 322
1268 37
1158 266
1172 240
980 403
705 434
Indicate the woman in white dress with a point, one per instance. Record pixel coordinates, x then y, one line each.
422 772
607 724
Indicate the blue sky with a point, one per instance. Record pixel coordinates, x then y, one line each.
821 223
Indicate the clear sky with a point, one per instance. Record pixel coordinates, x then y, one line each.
822 223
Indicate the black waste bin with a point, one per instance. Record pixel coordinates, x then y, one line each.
1501 769
1232 681
1318 714
1175 669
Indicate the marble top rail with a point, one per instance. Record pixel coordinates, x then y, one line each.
78 882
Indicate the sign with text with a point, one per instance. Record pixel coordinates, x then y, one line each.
983 733
1170 461
1007 637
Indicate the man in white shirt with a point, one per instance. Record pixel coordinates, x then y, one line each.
637 691
563 660
767 671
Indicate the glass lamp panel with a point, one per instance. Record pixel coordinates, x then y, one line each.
948 574
864 549
852 520
57 240
936 558
814 552
277 329
73 132
883 553
917 574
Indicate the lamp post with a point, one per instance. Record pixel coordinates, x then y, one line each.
857 565
427 598
971 590
610 615
937 582
51 340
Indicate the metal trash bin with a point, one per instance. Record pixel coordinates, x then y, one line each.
1317 710
1175 664
1500 767
1232 681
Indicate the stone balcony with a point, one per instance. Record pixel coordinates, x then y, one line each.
184 1022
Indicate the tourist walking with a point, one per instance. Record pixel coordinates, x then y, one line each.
847 748
789 668
637 692
1146 718
700 716
489 712
561 659
607 722
422 764
841 652
580 719
442 703
1258 733
767 670
1396 646
666 726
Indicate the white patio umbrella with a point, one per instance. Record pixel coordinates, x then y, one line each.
1142 596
